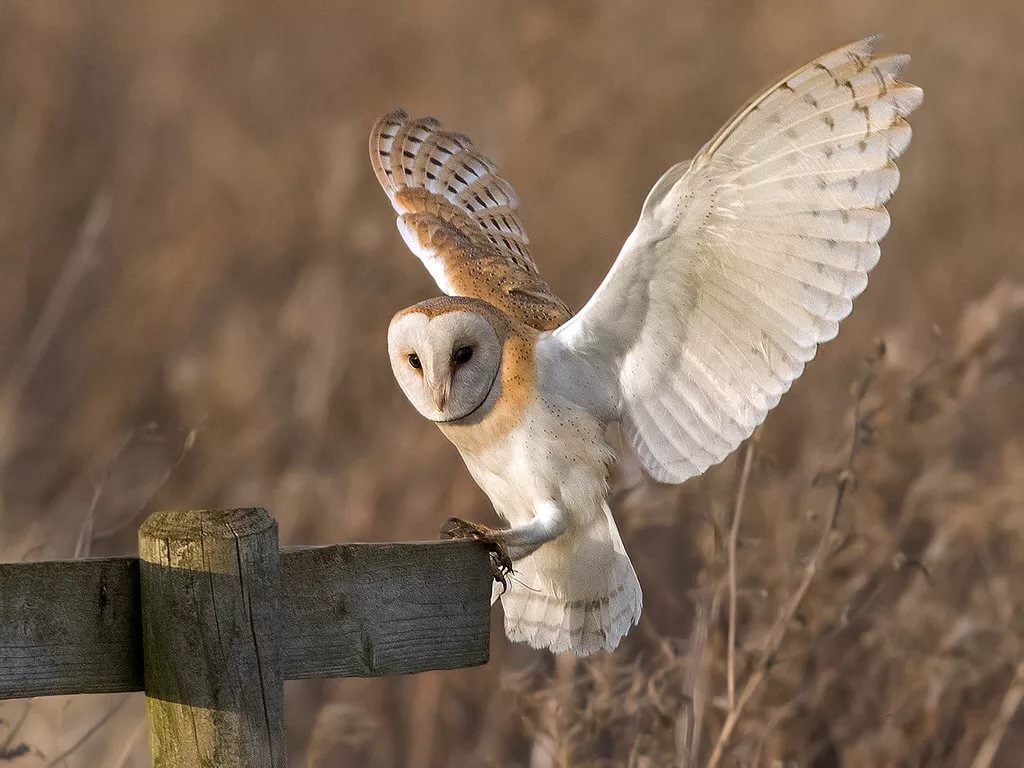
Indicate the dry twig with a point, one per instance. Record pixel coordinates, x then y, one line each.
79 262
88 734
7 752
777 633
1011 701
734 532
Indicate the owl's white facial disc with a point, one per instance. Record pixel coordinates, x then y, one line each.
447 364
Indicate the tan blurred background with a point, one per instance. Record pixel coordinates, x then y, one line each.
197 270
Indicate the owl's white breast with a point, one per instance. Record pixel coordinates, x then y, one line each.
557 452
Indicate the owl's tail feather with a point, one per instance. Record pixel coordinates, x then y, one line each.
577 593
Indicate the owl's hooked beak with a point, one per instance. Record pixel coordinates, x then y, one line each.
439 392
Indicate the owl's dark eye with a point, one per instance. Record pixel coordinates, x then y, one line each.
414 361
462 355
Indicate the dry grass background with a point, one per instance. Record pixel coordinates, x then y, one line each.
197 275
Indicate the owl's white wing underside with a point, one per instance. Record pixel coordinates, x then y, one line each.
747 258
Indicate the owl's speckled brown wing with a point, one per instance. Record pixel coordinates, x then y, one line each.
460 218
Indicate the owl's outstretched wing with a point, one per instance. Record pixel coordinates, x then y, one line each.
460 218
747 258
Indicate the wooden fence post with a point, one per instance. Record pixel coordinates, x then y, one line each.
210 592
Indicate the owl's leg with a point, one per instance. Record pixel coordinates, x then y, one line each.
548 523
507 545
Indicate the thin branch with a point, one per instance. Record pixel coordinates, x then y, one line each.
777 633
734 533
688 732
1011 702
79 262
686 721
89 733
5 748
132 519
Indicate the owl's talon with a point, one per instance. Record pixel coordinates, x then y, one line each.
501 566
501 563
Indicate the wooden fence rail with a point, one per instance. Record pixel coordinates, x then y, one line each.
211 618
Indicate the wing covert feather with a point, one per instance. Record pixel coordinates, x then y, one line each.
460 218
746 258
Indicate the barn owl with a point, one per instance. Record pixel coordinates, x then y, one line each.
743 260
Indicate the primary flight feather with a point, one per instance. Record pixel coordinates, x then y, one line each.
743 260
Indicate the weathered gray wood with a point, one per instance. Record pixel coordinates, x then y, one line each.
210 587
361 610
70 626
352 609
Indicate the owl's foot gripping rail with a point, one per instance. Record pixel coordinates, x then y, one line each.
501 563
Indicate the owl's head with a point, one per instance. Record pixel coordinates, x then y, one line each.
446 354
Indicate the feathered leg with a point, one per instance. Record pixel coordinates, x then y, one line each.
508 545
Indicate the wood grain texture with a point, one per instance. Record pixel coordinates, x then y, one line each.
346 610
361 610
70 627
210 586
